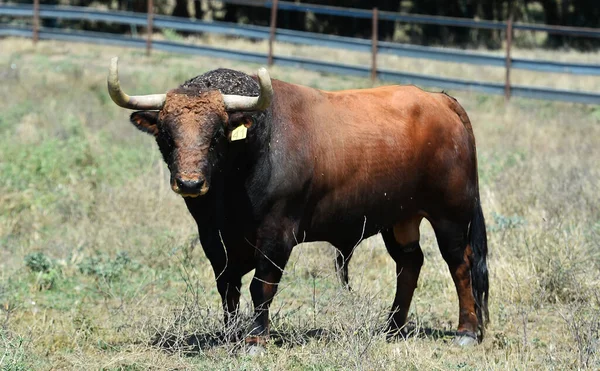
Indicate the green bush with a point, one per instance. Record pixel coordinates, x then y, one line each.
106 268
38 262
47 271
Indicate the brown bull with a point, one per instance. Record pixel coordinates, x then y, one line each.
263 165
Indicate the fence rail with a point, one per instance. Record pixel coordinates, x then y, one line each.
258 32
300 37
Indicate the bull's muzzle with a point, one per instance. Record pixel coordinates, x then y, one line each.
187 186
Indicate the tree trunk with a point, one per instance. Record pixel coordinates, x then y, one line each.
181 9
198 13
552 15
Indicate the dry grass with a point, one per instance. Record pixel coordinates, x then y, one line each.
82 187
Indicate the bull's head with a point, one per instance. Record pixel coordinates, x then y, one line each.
186 125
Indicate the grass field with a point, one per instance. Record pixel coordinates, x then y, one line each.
98 257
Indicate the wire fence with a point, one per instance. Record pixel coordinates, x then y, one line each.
273 34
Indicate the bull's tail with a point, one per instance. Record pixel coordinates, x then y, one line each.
477 237
479 270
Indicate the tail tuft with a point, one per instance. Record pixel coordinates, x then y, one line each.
479 270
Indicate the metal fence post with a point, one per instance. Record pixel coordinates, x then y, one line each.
149 27
36 21
509 32
272 31
374 37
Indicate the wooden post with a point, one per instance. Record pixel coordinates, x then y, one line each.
509 32
150 27
36 21
273 30
374 37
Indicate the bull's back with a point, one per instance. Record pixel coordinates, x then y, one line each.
384 154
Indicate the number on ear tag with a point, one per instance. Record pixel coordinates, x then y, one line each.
239 133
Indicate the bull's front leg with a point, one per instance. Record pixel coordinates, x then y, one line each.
230 261
229 288
273 251
229 281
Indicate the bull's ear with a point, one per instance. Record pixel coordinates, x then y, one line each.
240 118
146 121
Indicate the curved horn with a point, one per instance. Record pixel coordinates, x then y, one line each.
141 102
243 103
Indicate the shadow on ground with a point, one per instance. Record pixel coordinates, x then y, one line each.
194 344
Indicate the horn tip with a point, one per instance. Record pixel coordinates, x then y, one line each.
262 72
114 65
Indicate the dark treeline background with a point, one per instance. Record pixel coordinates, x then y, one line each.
579 13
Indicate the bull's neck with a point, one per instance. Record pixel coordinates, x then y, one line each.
252 152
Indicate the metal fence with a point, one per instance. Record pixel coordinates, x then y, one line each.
273 34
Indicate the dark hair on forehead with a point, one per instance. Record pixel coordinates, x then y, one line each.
225 80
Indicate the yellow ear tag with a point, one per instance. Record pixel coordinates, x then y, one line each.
239 133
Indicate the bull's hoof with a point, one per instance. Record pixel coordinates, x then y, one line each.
256 340
256 345
465 339
400 333
255 350
233 337
392 335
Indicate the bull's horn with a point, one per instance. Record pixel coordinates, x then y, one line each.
141 102
243 103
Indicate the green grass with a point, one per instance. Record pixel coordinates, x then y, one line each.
98 259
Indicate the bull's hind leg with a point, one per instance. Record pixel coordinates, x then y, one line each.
402 242
455 248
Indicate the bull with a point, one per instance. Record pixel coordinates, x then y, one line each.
263 165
